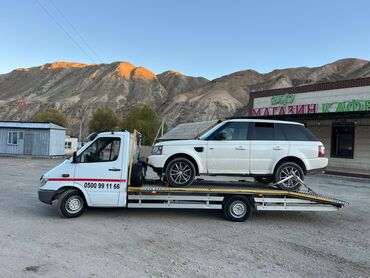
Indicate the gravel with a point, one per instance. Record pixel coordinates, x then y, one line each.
36 242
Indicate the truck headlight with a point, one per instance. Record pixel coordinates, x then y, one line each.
43 181
157 150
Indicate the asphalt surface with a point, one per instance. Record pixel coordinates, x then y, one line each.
36 242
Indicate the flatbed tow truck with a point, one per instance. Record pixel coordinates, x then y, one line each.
108 172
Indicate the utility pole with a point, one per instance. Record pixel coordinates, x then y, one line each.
159 131
81 123
162 128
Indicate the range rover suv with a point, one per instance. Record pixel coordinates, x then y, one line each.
267 150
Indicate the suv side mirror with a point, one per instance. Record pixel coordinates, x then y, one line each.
220 136
74 157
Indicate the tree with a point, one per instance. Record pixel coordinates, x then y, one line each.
103 119
144 119
51 115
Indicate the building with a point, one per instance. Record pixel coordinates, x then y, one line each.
28 138
338 113
70 145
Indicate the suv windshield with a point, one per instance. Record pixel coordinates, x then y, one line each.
205 135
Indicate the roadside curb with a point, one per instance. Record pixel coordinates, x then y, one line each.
348 174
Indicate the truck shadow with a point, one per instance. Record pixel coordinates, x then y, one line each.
191 215
208 215
151 214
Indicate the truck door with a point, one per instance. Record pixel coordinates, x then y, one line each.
228 149
98 170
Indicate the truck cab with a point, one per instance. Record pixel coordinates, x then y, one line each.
99 172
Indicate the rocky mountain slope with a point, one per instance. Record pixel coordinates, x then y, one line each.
77 89
229 95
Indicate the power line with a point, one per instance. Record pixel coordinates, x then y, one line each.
65 31
77 32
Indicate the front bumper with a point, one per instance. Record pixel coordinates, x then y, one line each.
46 196
157 161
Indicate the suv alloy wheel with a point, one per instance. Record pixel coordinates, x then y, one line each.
286 169
180 172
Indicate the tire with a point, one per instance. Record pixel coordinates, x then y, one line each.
71 204
237 208
284 170
264 180
180 172
137 175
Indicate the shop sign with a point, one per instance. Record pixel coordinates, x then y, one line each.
284 105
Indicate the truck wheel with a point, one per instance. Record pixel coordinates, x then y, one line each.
264 180
237 208
180 172
286 169
70 204
137 175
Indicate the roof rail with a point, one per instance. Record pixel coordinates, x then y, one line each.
242 117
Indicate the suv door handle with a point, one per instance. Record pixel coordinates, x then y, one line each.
114 169
277 148
240 148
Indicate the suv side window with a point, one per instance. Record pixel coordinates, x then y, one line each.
297 133
278 133
263 131
231 131
102 150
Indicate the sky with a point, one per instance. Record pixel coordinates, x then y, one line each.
199 38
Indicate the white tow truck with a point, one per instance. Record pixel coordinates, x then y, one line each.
107 172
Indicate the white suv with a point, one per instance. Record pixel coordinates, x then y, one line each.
267 150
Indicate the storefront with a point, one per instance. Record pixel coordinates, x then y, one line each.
338 113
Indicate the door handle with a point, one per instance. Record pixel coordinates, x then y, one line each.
239 148
114 169
277 148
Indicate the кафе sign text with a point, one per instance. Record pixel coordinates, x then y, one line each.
284 105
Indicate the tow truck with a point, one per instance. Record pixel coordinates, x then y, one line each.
108 172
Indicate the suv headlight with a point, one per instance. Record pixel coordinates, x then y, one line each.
157 150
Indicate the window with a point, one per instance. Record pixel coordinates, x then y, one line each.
231 131
278 133
68 145
102 150
342 141
12 138
263 131
297 133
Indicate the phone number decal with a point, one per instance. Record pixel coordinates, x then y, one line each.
101 185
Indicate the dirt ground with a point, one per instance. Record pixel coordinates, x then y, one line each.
36 242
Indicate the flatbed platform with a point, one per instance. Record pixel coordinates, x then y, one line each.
262 195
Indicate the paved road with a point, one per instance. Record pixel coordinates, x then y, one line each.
35 242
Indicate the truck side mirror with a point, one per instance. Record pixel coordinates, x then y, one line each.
74 157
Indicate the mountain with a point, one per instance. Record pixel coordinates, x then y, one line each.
229 95
78 89
176 83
